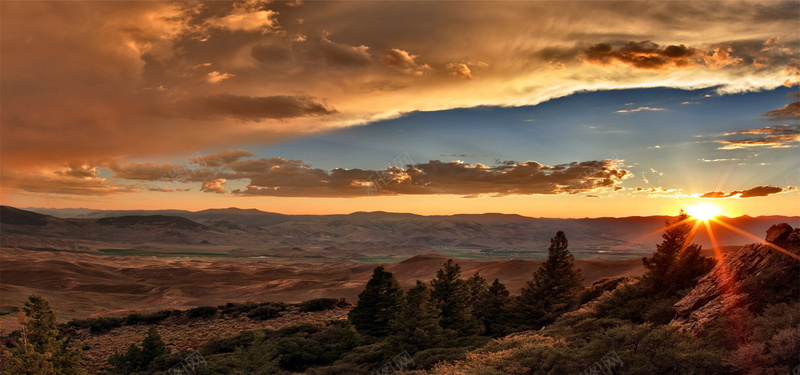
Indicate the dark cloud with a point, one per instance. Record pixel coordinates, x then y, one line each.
651 56
642 55
777 136
342 54
758 191
293 178
790 111
715 194
266 107
434 177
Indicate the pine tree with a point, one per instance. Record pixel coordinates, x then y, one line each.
40 349
677 263
377 304
452 296
555 286
152 348
416 326
495 309
138 358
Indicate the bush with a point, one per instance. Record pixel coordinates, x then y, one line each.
201 312
266 312
601 286
427 358
228 345
321 304
236 308
96 325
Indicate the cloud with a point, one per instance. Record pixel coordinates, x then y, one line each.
278 177
652 56
704 160
404 61
776 136
758 191
79 171
133 77
640 109
246 17
217 77
460 70
293 178
342 54
225 157
790 111
214 186
47 182
144 171
641 55
257 108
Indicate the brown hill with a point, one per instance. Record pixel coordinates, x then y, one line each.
79 285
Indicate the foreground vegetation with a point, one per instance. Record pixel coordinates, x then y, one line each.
457 324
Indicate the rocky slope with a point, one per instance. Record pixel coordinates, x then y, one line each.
721 291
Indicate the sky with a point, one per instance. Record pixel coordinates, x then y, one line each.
544 109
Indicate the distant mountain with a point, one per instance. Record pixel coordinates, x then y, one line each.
155 220
11 215
493 235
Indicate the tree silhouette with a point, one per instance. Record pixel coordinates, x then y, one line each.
555 286
452 296
676 264
416 326
377 304
494 310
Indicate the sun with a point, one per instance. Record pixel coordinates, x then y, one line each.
704 212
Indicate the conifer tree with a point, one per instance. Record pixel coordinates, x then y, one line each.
138 358
495 309
677 263
377 304
152 347
452 296
555 286
40 349
416 326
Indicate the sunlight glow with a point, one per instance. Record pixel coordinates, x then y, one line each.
704 212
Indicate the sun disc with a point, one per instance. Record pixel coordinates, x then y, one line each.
703 212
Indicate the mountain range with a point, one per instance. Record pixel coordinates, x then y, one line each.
360 234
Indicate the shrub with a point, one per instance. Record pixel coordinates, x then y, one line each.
237 308
96 325
321 304
201 312
601 286
426 359
266 312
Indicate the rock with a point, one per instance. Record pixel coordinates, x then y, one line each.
718 293
779 234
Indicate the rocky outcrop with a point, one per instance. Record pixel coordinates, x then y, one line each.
719 292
